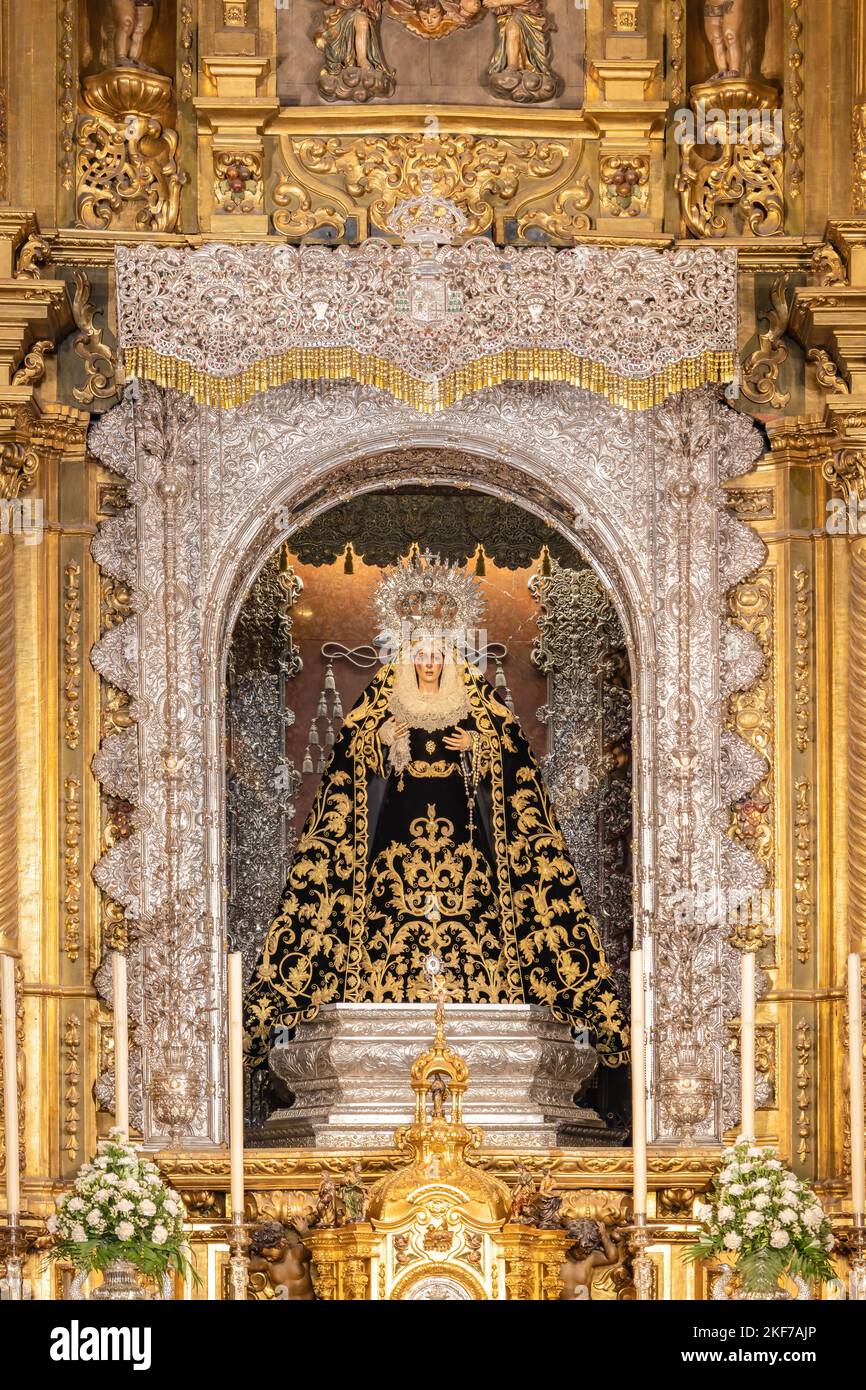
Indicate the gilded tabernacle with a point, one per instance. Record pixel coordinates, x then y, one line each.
433 667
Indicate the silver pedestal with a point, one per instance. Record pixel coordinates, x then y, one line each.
348 1074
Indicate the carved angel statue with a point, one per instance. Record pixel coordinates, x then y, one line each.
433 19
591 1249
521 69
132 21
278 1252
354 66
733 32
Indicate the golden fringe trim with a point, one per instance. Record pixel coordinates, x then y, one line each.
346 364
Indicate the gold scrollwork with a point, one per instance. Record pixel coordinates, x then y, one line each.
803 869
858 145
804 1088
72 867
740 190
325 182
100 361
72 654
32 369
127 153
802 643
760 374
751 714
794 92
72 1086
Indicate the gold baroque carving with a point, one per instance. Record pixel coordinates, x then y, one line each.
858 145
34 253
676 19
187 36
32 370
826 372
794 92
325 182
804 1089
766 1058
751 713
72 654
740 190
802 869
802 648
100 361
752 503
624 189
760 373
857 749
238 183
826 266
72 867
19 465
67 94
71 1085
127 153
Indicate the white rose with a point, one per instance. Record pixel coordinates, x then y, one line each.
160 1235
773 1163
75 1204
787 1216
125 1205
736 1189
830 1241
52 1223
111 1179
726 1213
147 1208
101 1162
704 1212
154 1179
753 1218
761 1201
125 1230
779 1239
95 1220
78 1233
733 1241
101 1195
171 1207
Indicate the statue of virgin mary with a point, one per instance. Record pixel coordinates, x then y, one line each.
432 833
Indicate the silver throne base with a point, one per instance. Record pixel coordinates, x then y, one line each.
348 1072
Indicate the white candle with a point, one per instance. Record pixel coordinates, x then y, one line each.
855 1071
236 1083
10 1084
638 1084
121 1042
747 1044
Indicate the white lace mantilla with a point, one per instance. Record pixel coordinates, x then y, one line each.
224 322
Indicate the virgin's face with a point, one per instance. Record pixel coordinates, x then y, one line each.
428 665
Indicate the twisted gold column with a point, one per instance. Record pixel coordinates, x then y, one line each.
857 750
8 758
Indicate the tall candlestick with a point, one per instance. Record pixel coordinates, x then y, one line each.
638 1084
747 1044
121 1042
10 1085
855 1072
236 1083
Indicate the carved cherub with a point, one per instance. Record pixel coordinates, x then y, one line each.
731 30
132 21
591 1249
279 1252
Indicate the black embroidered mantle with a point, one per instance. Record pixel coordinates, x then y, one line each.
385 872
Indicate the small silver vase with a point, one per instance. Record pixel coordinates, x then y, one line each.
120 1283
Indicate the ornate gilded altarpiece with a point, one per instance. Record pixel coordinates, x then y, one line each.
646 331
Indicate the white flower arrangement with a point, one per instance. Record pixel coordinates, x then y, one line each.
762 1213
119 1208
